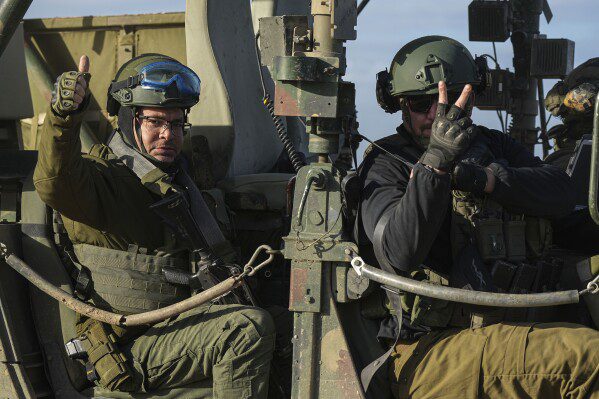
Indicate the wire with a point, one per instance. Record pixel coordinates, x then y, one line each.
492 58
501 120
295 157
397 157
362 5
495 54
499 113
259 59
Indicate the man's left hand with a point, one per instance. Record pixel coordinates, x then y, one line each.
472 178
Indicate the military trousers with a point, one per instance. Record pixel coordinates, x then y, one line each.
226 348
506 360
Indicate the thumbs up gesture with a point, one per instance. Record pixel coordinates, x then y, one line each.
71 93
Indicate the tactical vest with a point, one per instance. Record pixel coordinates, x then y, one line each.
494 250
132 281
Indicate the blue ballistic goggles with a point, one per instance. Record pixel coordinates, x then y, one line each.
164 74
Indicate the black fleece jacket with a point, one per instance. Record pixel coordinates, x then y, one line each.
419 226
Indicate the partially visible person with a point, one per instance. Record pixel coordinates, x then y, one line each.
573 100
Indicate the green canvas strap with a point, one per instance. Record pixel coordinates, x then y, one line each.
371 369
159 182
95 257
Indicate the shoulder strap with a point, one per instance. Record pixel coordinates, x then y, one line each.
370 370
201 214
131 158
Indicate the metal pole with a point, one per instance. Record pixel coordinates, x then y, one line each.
11 14
594 178
544 137
524 94
461 295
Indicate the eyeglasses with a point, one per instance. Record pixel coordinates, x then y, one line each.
423 104
159 126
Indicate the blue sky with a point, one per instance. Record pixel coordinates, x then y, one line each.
383 27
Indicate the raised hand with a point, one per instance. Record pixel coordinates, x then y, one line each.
70 93
451 133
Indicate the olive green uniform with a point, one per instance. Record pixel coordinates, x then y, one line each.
104 204
499 361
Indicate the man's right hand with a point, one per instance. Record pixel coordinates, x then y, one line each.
70 93
451 133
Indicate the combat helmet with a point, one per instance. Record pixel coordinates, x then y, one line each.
420 65
153 80
574 96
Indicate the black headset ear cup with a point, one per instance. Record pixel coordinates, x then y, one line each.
383 95
483 73
112 105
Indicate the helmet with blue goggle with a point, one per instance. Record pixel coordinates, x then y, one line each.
153 80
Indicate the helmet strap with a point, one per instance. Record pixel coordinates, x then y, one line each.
137 130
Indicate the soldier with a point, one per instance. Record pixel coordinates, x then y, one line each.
104 198
444 200
573 100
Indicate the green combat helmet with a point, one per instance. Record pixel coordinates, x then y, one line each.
572 99
420 65
150 80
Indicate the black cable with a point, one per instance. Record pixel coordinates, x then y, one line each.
500 120
397 157
295 157
362 5
495 54
494 58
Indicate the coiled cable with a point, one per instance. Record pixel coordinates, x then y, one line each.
296 159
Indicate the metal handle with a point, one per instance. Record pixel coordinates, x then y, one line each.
460 295
594 178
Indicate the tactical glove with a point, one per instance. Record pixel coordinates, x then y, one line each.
450 138
469 177
64 102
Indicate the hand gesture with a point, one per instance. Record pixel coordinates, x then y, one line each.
451 133
70 93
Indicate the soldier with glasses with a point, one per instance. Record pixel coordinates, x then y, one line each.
105 199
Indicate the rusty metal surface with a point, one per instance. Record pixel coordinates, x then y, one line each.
276 36
323 366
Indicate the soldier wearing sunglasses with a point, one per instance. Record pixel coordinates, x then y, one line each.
441 198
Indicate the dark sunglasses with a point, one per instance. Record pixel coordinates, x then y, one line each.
423 104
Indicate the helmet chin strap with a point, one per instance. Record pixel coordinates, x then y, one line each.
137 131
